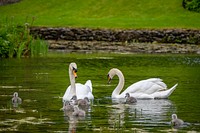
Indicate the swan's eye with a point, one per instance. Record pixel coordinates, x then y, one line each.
74 69
109 78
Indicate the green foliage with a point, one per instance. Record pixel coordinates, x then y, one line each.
15 40
4 48
192 5
38 47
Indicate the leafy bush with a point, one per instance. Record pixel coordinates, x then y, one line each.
192 5
15 41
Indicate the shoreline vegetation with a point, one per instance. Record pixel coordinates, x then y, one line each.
16 41
167 28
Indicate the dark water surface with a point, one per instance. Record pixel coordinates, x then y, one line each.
41 82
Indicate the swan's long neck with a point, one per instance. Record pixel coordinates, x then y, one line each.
72 81
120 85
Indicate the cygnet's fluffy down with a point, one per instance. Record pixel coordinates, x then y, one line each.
78 112
176 123
129 99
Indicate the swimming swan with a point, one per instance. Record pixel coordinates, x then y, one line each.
144 89
80 90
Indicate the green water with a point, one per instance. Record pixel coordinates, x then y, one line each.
41 82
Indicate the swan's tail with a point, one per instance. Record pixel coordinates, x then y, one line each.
89 84
165 94
171 90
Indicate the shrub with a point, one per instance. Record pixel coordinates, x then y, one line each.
15 40
192 5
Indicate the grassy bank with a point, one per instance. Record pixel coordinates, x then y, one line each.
157 14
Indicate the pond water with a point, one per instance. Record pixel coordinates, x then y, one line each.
41 83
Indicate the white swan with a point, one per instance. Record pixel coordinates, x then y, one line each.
144 89
80 90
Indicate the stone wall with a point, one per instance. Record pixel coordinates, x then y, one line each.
107 35
121 47
5 2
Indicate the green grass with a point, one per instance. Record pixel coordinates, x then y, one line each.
153 14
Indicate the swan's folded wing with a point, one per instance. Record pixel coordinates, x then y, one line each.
89 84
148 86
83 91
66 96
154 80
164 94
139 87
158 81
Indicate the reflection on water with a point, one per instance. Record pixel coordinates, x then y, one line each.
41 82
13 124
73 119
149 113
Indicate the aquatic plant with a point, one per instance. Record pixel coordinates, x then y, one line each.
15 40
38 47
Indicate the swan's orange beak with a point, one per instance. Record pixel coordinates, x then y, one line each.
109 79
74 73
